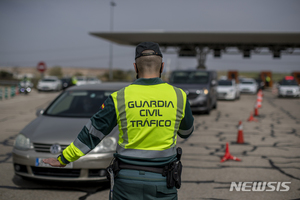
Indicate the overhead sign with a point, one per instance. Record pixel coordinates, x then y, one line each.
41 67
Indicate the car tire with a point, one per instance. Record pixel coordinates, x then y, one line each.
207 112
208 108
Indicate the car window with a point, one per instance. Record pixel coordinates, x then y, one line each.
81 79
225 82
197 77
78 103
289 82
247 83
61 105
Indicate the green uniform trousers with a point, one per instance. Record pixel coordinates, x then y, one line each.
141 185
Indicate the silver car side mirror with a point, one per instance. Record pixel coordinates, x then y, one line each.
39 112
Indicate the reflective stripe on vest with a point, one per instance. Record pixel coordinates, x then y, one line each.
149 117
122 116
179 113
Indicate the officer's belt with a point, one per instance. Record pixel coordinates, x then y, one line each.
123 165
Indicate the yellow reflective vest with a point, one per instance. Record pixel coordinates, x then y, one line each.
149 117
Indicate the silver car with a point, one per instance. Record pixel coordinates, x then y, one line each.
248 85
288 87
56 127
50 83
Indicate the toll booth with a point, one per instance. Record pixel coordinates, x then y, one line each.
233 75
266 77
296 75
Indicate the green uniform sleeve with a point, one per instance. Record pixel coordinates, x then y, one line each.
100 125
186 127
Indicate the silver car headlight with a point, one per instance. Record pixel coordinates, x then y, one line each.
22 142
108 144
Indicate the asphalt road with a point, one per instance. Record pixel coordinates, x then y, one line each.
271 152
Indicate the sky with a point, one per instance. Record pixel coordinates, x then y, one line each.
57 31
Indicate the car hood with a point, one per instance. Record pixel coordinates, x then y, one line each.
47 83
247 86
224 88
47 129
190 87
289 87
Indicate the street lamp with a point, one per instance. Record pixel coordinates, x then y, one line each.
112 4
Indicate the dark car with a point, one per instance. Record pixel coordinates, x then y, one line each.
200 87
66 82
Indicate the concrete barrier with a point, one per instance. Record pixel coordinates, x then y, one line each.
7 92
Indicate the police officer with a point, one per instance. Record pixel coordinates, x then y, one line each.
268 79
74 80
150 114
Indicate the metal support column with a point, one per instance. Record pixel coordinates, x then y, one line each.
112 4
201 57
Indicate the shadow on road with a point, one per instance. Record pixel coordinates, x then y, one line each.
89 188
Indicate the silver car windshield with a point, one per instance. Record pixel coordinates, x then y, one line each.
289 82
78 103
247 83
189 77
225 82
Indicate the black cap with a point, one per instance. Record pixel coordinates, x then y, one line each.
147 46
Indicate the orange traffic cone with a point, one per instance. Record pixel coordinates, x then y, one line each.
17 90
256 110
260 93
258 104
259 98
251 118
240 138
228 156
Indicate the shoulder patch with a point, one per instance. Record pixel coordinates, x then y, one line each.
102 106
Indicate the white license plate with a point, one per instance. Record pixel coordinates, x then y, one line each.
39 163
